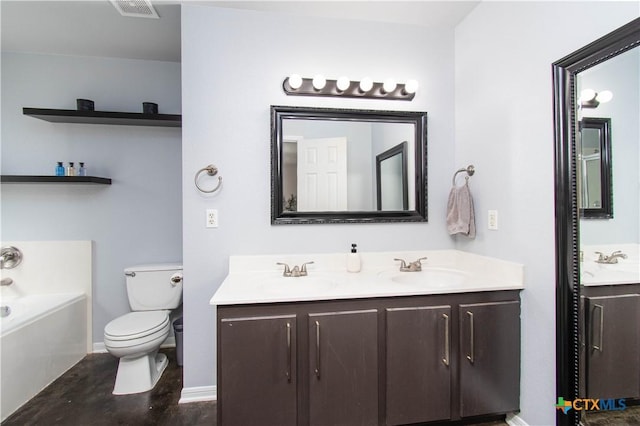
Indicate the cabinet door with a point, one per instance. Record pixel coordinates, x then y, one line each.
257 383
489 358
613 345
343 361
418 364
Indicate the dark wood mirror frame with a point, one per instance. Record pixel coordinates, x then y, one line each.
605 211
418 119
566 207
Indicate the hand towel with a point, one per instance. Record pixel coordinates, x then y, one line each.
460 214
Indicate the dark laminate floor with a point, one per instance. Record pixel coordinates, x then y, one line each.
82 396
628 417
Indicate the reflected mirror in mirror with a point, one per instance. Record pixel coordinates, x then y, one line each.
594 158
391 178
341 165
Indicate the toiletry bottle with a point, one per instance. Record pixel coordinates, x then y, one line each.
81 170
59 169
71 171
353 260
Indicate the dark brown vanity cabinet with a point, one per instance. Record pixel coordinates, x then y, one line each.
612 345
418 372
378 361
489 358
343 360
259 375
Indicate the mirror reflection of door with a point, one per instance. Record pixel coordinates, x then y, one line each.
391 178
321 174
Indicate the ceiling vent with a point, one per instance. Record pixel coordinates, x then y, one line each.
135 8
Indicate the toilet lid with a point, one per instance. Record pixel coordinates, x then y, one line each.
136 324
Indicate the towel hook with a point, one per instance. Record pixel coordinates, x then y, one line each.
470 171
211 171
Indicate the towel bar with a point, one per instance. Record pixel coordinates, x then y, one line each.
211 171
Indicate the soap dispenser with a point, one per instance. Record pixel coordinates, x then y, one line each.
353 260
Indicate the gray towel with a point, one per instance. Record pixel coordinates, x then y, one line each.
460 215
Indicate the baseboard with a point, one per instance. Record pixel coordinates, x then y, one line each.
99 348
197 394
515 420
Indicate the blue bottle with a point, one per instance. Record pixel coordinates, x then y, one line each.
82 171
59 169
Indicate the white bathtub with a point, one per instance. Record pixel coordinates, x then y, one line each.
43 336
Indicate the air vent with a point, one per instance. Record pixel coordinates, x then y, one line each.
135 8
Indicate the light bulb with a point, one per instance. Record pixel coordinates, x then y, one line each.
411 86
319 82
604 96
295 81
389 85
587 95
343 84
366 84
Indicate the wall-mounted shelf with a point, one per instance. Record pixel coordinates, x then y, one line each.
104 117
54 179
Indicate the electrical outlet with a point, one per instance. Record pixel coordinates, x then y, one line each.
493 219
212 218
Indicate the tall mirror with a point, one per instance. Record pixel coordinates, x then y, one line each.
345 166
598 261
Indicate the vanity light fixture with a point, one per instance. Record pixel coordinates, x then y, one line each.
365 88
589 98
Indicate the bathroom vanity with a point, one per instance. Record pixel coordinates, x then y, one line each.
376 347
610 304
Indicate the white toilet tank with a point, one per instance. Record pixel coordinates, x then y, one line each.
154 287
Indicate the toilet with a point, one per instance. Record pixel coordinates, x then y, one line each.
153 291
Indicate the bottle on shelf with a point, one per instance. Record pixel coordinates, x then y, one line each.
71 171
59 169
82 171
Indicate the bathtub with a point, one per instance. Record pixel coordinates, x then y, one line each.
42 337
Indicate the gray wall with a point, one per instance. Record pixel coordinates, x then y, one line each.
135 220
504 126
233 65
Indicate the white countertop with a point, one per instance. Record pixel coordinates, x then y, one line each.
257 279
626 271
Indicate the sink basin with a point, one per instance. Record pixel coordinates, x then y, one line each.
298 286
429 278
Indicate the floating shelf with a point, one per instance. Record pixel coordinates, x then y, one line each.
104 117
54 179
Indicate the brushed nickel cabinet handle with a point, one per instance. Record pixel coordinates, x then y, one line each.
601 308
317 369
470 357
288 352
445 360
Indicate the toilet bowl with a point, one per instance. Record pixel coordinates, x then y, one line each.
136 337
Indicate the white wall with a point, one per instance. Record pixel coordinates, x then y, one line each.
233 65
137 218
504 126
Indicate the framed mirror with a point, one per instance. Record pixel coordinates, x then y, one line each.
391 179
578 273
347 166
594 157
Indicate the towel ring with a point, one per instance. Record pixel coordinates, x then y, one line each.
470 171
211 171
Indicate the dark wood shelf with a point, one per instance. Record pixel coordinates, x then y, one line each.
104 117
54 179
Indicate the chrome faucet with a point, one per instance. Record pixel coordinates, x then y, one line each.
297 271
10 257
415 266
612 258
